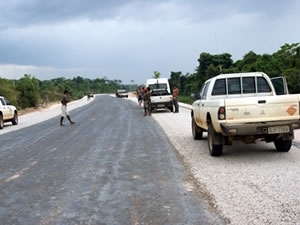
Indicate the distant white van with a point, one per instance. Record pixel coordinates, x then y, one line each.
161 97
159 83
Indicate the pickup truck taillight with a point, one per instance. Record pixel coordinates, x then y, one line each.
221 113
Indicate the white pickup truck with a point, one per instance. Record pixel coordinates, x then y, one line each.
161 97
245 107
8 112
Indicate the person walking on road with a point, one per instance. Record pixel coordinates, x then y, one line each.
147 101
175 93
64 110
140 95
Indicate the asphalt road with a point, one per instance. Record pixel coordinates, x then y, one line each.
114 166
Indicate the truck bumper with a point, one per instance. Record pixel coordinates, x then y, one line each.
258 129
161 105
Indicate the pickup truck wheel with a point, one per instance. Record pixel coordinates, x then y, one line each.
197 131
15 119
1 122
171 109
214 150
283 145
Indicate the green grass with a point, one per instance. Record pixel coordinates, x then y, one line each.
185 99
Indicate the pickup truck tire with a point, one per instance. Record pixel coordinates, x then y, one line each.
15 119
283 145
1 122
171 109
197 131
214 149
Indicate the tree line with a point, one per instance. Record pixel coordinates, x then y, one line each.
28 91
284 62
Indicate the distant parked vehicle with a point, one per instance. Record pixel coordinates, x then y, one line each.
8 112
121 93
161 97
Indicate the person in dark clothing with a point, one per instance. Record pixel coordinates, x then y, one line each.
175 93
64 110
147 101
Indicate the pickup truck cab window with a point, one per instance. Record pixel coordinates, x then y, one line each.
219 87
203 91
248 85
262 85
234 85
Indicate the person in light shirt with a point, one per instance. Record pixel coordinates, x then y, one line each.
64 110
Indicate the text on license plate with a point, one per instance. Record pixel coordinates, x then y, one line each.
278 129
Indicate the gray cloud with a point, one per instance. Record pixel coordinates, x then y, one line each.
128 40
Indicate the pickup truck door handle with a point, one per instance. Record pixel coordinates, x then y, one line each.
261 101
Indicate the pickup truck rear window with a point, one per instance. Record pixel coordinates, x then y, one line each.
248 85
159 93
234 86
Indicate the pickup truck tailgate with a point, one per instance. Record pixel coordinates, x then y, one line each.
262 109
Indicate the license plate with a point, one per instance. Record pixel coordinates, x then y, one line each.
278 129
161 105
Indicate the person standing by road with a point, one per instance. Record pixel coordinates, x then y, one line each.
175 93
64 110
140 95
147 101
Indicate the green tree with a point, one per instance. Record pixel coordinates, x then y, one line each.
156 74
175 79
28 87
7 89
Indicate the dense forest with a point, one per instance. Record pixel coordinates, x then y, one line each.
284 62
31 92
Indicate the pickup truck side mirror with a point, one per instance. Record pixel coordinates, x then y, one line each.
195 96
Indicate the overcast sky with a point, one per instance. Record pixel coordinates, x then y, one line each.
128 40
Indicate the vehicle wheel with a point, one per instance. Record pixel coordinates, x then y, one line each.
197 131
214 150
15 119
283 145
171 109
1 122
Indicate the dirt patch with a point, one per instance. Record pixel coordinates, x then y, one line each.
36 109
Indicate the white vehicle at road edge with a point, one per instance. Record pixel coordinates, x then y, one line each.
245 107
8 112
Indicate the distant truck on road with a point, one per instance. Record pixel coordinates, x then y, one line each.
8 112
245 107
121 93
161 97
